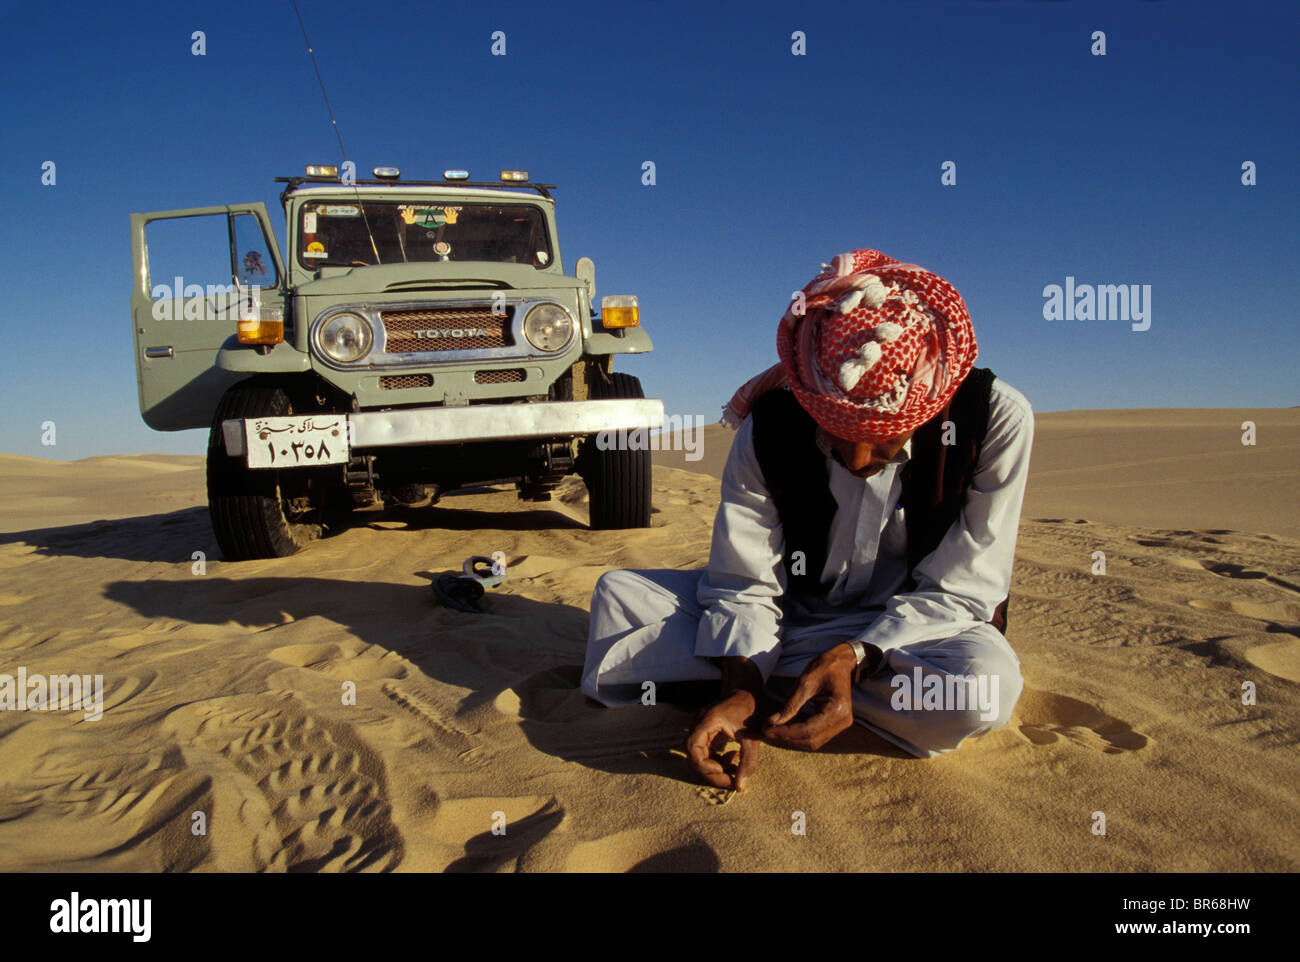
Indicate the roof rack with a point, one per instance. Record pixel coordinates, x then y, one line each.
296 182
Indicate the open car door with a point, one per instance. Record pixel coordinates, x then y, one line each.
196 272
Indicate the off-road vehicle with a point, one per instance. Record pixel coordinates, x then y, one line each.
420 337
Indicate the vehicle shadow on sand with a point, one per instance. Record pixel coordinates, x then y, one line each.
172 538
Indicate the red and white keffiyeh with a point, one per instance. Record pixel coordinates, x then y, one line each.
877 350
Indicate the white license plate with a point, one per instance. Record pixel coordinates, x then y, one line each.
301 441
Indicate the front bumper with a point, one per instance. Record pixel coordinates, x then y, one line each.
411 427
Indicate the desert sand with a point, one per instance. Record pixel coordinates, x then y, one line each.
224 689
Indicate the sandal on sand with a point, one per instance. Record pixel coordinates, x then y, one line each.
482 570
458 593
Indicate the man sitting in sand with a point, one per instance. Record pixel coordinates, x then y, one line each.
863 544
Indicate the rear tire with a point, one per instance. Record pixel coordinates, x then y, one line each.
252 512
618 481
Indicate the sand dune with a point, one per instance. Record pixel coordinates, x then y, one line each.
41 493
224 691
1178 467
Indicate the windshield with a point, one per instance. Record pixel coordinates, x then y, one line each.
339 234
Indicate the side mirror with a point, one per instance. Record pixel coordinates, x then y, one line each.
586 271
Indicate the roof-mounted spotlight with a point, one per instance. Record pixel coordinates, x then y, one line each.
455 175
514 175
322 172
386 173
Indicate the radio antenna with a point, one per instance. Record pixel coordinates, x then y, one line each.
335 124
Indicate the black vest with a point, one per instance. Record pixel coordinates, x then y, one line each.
935 478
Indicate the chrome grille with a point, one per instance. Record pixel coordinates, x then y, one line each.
509 376
398 382
400 329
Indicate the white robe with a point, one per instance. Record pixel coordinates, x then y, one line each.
664 625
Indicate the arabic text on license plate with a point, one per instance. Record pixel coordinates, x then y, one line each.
296 442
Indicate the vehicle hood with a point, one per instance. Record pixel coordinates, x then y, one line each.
437 276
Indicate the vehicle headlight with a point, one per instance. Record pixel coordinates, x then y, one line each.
548 327
345 338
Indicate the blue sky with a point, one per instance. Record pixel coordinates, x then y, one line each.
1116 169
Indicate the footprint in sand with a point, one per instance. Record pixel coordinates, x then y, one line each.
1276 612
1281 659
564 722
365 662
323 786
1190 540
520 823
114 810
428 705
1045 717
1240 571
1246 651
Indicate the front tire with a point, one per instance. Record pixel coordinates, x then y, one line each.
618 481
257 513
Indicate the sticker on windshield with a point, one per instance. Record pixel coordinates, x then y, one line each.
309 223
315 249
342 210
430 218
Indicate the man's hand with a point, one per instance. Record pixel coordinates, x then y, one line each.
727 720
826 684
